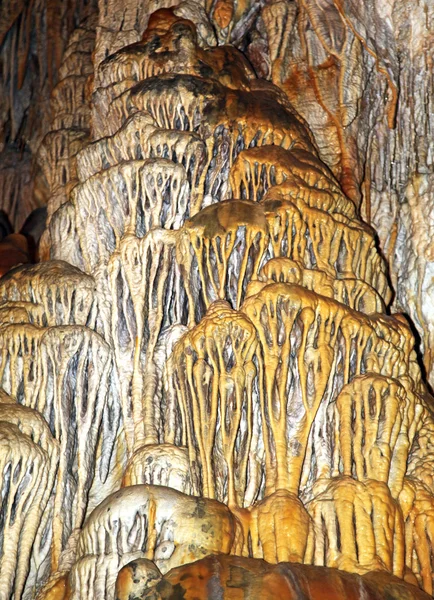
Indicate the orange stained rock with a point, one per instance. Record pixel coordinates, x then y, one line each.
306 342
237 578
417 504
357 527
352 292
358 295
57 588
286 270
5 398
377 419
160 22
135 578
422 454
212 369
170 45
223 13
297 189
279 528
224 245
287 326
332 244
258 169
227 15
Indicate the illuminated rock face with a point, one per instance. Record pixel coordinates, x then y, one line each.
234 577
206 364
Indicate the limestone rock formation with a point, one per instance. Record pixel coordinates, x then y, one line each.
208 358
232 577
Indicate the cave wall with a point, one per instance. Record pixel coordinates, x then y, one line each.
238 213
360 74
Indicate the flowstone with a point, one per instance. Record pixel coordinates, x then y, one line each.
206 363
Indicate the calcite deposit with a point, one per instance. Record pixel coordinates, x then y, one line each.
206 386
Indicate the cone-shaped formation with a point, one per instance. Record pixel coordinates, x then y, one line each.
220 347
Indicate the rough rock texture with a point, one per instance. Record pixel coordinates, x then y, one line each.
362 78
208 359
361 75
232 577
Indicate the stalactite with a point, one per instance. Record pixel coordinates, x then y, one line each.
63 373
22 312
32 425
212 369
375 426
257 169
63 292
78 363
60 238
25 479
129 143
221 248
332 244
138 319
357 527
417 505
